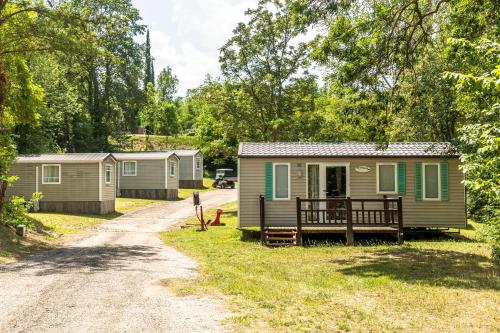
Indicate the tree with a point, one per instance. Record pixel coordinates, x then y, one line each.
167 84
158 116
265 64
479 92
149 75
25 27
393 54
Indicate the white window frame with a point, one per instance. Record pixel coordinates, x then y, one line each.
395 178
172 163
106 173
123 168
289 182
43 174
198 163
439 182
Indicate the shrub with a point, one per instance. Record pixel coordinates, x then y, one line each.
16 208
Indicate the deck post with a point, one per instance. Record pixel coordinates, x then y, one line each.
350 231
299 221
262 221
400 221
386 211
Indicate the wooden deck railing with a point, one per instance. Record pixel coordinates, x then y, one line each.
386 212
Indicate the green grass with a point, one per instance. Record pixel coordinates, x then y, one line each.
442 284
188 192
51 228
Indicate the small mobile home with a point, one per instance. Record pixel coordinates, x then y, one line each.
191 168
148 175
321 186
70 183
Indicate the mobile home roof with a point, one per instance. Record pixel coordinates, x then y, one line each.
185 152
63 158
347 149
146 155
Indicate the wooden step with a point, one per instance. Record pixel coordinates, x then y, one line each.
281 238
281 232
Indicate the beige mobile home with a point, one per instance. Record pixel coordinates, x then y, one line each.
148 175
70 183
191 168
358 186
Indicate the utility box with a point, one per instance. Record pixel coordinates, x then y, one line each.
21 230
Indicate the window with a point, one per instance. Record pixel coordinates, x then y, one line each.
432 185
198 163
172 169
107 173
51 174
386 178
129 168
281 181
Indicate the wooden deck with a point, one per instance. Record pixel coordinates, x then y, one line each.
339 215
338 229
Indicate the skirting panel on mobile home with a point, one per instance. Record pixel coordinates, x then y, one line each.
158 194
189 183
78 207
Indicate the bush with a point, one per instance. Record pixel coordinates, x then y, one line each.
16 209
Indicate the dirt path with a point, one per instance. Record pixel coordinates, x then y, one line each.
107 282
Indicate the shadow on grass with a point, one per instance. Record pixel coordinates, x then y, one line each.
14 246
425 266
86 259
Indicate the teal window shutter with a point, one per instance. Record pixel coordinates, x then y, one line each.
401 178
269 181
418 181
444 181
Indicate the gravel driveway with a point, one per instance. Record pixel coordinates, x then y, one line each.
108 281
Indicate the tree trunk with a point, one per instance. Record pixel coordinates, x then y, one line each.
3 190
3 91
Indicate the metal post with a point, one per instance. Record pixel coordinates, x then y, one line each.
400 221
350 231
299 220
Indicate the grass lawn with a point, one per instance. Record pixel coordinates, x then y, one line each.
188 192
51 228
442 284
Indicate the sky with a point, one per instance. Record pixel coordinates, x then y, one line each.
187 34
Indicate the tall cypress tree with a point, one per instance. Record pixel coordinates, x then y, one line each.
149 75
